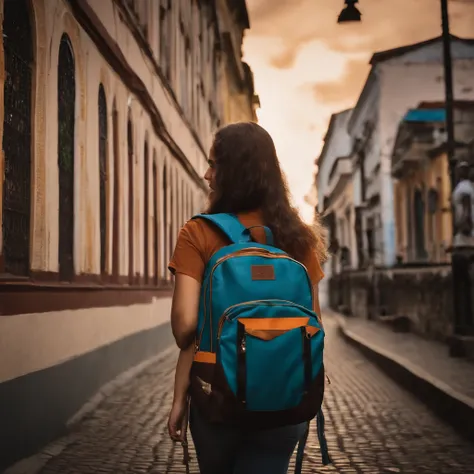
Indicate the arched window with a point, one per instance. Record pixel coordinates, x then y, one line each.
184 214
18 50
146 207
66 128
178 207
165 218
103 176
155 221
190 208
130 199
116 200
172 214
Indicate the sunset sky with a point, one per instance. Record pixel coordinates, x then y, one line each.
308 66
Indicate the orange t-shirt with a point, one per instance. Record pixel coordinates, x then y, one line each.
199 240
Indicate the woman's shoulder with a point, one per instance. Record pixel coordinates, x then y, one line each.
192 225
199 232
194 229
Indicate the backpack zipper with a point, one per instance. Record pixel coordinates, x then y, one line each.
226 312
264 302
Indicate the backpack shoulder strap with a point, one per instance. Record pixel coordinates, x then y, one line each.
229 224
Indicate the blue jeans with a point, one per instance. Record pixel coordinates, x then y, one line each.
222 449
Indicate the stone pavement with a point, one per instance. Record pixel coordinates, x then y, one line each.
373 426
444 383
429 357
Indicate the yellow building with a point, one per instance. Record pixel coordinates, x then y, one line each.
423 213
422 188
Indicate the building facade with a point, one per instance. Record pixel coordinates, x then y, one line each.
107 114
422 187
399 80
334 194
237 77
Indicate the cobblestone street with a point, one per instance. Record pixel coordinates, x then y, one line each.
373 426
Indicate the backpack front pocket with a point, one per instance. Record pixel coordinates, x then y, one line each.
269 361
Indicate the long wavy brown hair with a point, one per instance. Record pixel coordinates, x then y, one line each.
248 177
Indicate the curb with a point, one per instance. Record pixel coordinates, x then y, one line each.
453 407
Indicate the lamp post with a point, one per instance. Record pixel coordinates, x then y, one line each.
448 91
350 13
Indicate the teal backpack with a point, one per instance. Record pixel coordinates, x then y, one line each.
259 345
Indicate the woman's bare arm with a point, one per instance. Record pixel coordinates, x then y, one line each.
182 376
184 310
184 316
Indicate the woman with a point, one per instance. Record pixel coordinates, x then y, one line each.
245 178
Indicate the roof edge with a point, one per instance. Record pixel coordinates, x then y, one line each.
382 56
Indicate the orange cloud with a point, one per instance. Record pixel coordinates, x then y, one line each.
346 88
284 60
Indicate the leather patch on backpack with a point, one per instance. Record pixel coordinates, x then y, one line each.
263 272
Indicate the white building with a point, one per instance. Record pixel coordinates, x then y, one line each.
399 79
107 113
334 191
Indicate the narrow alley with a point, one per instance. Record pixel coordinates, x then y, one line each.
373 426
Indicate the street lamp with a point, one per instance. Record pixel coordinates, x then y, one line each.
350 12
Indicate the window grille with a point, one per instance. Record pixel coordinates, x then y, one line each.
18 50
66 127
102 106
146 207
130 200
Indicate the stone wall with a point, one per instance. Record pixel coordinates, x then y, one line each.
424 295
